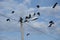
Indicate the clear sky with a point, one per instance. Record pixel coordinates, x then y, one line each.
39 30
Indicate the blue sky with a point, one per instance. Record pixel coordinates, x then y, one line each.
38 29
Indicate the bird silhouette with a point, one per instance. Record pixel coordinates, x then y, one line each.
55 5
38 6
26 17
29 16
28 34
7 19
26 20
38 13
12 11
21 19
51 22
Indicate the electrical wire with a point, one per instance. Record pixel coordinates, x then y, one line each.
30 26
7 17
41 31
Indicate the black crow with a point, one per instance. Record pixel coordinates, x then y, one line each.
51 22
38 6
29 15
38 13
26 17
28 34
26 20
21 19
7 19
12 11
55 5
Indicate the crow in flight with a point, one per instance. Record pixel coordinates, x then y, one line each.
12 11
51 22
7 19
38 6
28 34
55 5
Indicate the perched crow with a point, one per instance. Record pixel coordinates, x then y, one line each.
55 5
51 22
29 15
12 11
21 19
38 6
28 34
38 13
7 19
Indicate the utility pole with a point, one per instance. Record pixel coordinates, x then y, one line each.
22 31
21 28
21 23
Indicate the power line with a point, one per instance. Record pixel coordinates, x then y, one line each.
7 17
30 26
42 32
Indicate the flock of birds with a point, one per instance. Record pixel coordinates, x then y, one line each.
28 17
